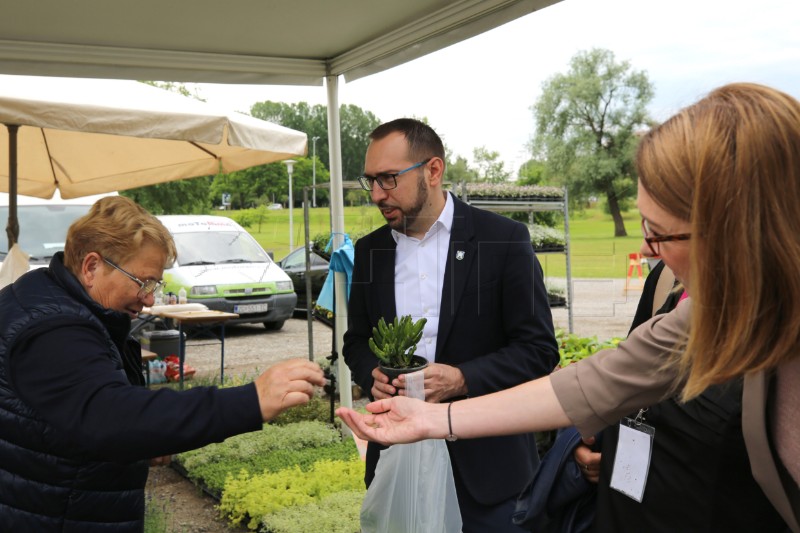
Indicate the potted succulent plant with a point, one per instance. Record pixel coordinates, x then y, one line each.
394 345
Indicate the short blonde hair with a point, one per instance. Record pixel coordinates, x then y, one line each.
730 164
116 227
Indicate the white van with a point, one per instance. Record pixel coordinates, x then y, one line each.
43 224
223 267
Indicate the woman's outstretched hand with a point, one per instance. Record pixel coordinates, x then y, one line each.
396 420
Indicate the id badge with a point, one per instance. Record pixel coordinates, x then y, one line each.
632 462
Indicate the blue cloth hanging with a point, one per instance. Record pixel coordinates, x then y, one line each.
341 261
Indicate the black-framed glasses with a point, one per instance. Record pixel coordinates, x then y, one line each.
654 242
386 180
145 287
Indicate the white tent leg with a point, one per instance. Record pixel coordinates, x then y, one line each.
337 225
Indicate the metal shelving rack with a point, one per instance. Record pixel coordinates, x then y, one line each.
556 204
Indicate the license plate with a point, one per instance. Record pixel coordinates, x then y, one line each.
250 308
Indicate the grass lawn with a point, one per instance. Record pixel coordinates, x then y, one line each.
596 253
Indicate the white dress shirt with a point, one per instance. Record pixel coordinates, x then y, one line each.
419 276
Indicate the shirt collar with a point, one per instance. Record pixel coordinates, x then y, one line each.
445 221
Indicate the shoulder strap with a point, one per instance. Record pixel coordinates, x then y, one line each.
666 282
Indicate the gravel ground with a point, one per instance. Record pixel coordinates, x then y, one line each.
250 349
601 307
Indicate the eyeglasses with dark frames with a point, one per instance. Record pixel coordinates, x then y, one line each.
145 287
654 241
386 180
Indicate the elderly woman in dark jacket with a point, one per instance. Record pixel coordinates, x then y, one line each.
75 433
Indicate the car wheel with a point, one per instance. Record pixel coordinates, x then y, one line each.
274 326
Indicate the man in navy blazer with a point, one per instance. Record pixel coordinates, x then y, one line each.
473 275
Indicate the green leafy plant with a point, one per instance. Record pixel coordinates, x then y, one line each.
555 289
337 513
573 348
250 497
296 474
320 241
394 344
317 409
555 296
156 517
274 448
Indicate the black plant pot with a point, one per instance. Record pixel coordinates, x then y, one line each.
549 248
418 363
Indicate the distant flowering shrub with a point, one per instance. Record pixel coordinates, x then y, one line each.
544 238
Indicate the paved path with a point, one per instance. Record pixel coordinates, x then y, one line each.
601 307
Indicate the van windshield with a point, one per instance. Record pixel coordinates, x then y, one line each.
42 229
212 247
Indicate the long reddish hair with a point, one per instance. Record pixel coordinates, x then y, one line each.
730 164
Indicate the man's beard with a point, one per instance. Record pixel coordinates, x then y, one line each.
411 214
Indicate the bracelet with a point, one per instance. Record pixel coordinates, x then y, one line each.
450 436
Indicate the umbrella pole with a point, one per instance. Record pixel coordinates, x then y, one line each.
12 229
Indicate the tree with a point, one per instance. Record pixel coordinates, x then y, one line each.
173 197
532 172
458 172
587 122
243 186
267 183
185 196
356 125
490 168
311 120
174 87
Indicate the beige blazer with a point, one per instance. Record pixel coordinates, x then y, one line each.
779 488
599 390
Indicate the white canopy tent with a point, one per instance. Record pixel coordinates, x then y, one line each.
297 42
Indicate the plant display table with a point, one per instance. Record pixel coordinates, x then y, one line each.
508 197
203 322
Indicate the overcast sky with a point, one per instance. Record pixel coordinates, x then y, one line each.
479 92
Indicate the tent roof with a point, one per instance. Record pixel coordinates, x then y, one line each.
296 42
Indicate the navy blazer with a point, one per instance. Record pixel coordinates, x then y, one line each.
495 325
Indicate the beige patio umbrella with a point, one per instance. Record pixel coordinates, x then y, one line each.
87 136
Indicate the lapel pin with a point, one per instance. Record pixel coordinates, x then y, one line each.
460 254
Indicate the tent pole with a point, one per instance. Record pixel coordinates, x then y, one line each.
337 226
309 300
12 229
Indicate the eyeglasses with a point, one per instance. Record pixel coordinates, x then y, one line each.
145 287
386 180
654 242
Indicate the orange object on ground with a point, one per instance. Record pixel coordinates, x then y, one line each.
634 263
173 369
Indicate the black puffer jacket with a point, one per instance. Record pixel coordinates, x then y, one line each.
47 482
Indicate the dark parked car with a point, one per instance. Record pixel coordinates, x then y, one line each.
294 265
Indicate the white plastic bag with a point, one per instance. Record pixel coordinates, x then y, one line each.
14 265
413 490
